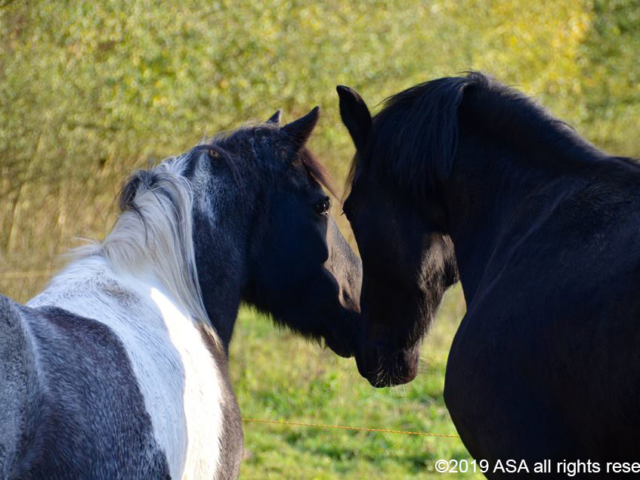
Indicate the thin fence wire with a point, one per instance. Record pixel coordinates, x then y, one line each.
346 427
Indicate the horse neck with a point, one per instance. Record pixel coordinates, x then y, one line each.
221 239
221 271
494 190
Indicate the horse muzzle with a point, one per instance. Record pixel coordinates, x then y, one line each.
383 366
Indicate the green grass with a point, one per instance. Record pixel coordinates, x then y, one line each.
279 376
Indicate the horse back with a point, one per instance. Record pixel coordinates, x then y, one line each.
78 410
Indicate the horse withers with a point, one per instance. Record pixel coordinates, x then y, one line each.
118 369
466 178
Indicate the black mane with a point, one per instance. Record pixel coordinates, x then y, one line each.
415 136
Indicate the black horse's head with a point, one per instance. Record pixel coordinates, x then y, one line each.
408 258
265 218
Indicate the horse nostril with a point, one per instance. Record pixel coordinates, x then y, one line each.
348 302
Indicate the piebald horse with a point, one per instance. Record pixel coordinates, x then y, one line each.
119 368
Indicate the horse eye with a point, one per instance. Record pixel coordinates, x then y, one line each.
323 206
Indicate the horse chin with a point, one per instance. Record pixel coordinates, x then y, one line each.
397 370
341 345
383 379
339 349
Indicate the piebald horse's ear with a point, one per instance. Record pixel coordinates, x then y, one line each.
275 118
355 116
299 131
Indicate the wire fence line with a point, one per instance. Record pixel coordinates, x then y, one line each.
347 427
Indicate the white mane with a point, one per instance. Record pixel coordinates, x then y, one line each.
155 236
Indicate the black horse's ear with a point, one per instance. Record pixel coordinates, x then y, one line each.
355 116
299 131
275 118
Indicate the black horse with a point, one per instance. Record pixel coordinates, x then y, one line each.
465 178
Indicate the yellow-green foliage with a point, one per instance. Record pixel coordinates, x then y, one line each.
90 90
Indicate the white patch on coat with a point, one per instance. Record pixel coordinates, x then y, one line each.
202 391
